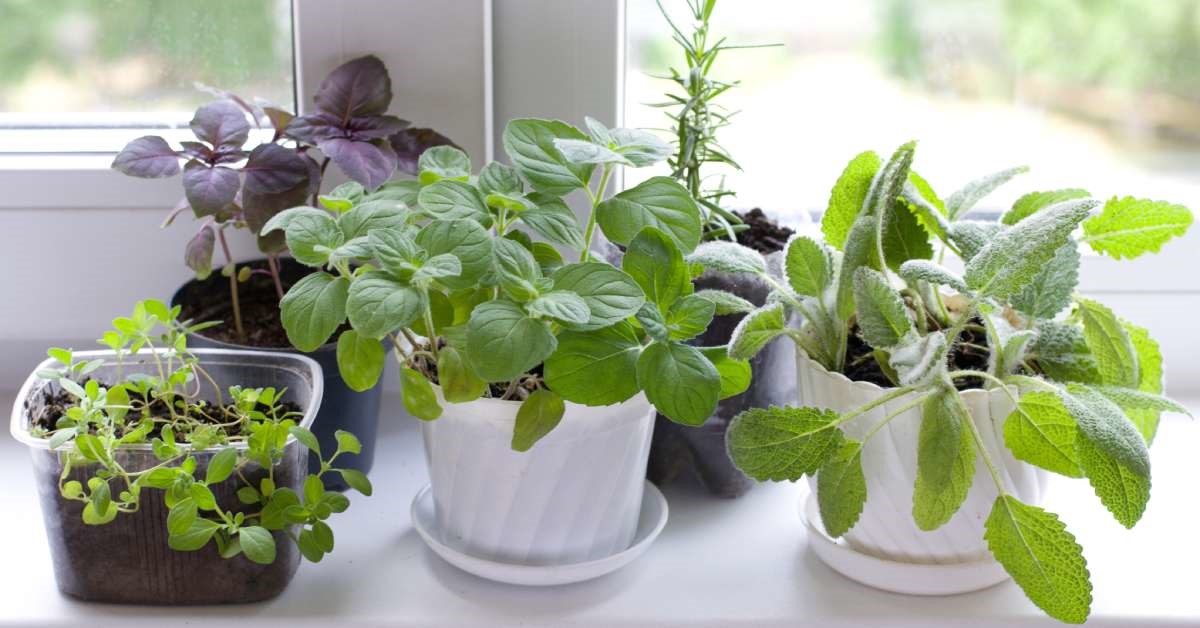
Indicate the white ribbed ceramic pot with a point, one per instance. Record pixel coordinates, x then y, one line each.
886 528
575 496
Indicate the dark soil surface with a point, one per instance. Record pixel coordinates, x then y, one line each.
764 235
861 365
55 401
208 300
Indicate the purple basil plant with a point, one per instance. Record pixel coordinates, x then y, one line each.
225 185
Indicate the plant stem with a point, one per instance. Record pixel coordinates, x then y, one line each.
595 198
233 285
905 408
970 422
273 264
886 397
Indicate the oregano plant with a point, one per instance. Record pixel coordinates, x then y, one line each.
170 411
227 185
878 298
452 281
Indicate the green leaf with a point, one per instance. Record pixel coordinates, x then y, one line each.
1121 490
181 516
465 239
658 202
847 198
221 465
365 217
347 442
681 383
961 201
1013 258
807 266
195 537
1051 289
596 368
656 264
323 535
1103 423
357 480
516 269
443 162
560 305
437 268
756 330
552 219
945 461
919 361
530 146
459 383
498 178
916 270
862 250
925 205
783 443
882 315
1130 399
970 236
503 342
454 200
735 374
1129 227
1150 376
306 438
396 250
725 303
1041 432
360 360
379 305
313 309
653 322
1034 202
904 238
689 317
729 257
588 152
538 415
1110 344
841 488
641 148
343 197
1035 548
418 395
1063 354
311 234
611 295
258 544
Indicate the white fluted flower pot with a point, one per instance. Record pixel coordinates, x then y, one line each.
886 529
574 497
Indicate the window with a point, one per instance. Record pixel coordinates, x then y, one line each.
1099 95
85 76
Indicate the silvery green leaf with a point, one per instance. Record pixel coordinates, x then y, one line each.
927 213
755 330
1050 291
945 461
641 148
916 270
970 236
1034 202
1130 399
598 131
1015 346
1062 352
882 315
1102 422
588 152
862 250
729 257
725 302
961 202
919 360
1015 256
807 265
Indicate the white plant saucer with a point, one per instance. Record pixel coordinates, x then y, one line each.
894 576
651 521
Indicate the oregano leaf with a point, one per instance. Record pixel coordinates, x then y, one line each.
360 360
596 368
681 383
313 309
503 342
538 415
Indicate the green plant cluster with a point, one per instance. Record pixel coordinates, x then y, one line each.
1086 385
443 269
246 436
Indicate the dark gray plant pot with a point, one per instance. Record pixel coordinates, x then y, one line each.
678 448
341 409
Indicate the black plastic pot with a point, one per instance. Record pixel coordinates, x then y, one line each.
677 448
128 561
341 409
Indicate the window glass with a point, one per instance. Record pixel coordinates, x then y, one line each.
115 65
1099 95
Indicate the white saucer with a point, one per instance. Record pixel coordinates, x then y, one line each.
651 521
890 575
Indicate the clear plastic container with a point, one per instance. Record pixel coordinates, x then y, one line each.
128 560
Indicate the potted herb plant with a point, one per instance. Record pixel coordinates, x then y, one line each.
535 372
696 159
169 475
933 403
228 186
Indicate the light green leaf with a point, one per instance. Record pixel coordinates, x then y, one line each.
1150 376
862 250
641 148
904 238
756 330
961 201
311 236
530 146
419 399
380 214
611 295
1102 422
1051 289
725 302
847 198
681 383
689 317
553 220
925 205
360 360
1016 255
443 162
396 251
194 538
1129 227
658 202
313 309
343 197
653 322
454 200
735 374
783 443
498 178
220 466
379 305
1035 548
656 264
503 342
437 268
1120 489
882 315
1034 202
588 152
945 461
516 269
916 270
807 265
729 257
346 442
465 239
1110 344
1131 399
538 415
596 368
1041 432
257 544
181 516
459 383
561 305
842 488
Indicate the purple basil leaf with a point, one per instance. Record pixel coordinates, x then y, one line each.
375 127
272 168
355 89
369 163
149 157
228 155
198 150
410 143
199 251
315 128
209 189
221 124
279 119
259 207
256 112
